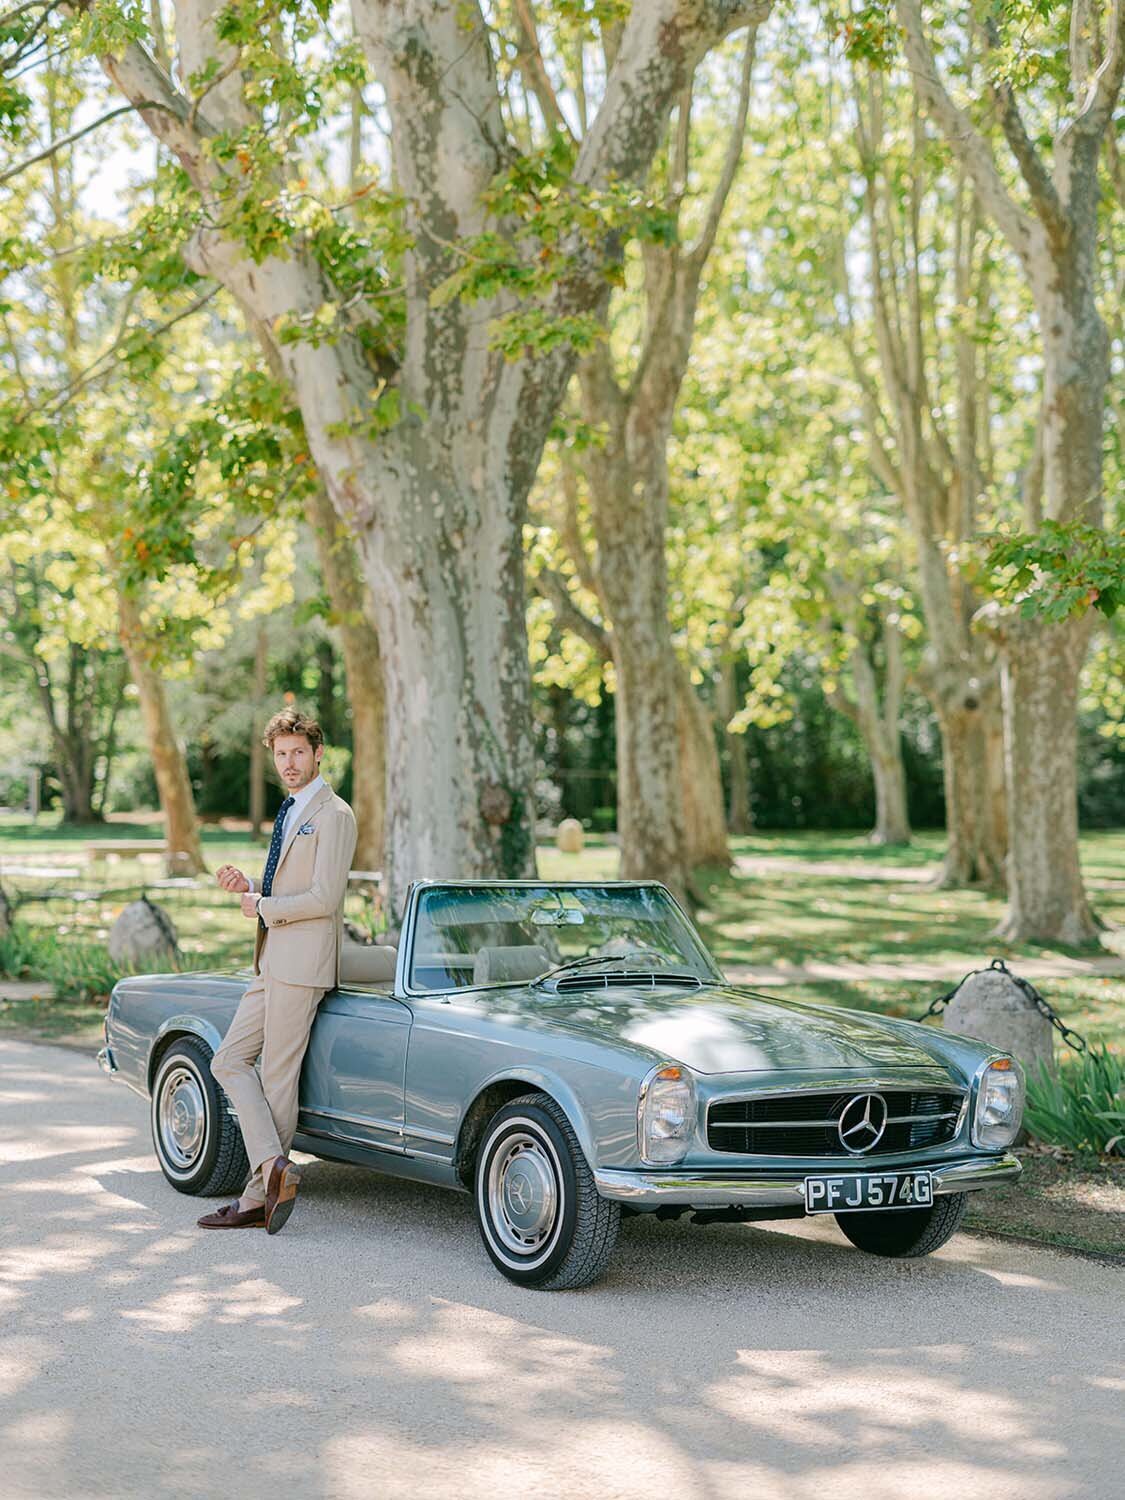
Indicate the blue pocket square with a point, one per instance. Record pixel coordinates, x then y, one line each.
306 828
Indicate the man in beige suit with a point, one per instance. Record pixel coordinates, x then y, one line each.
298 911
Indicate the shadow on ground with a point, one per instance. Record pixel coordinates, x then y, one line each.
372 1350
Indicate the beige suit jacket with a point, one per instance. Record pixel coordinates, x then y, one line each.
304 913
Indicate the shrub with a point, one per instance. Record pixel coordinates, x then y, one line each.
1083 1106
73 967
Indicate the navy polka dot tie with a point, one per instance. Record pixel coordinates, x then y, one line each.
275 850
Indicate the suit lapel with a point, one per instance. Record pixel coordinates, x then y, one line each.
320 800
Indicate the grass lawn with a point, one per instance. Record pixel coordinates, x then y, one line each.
777 908
790 899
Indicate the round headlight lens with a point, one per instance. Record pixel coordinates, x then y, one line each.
666 1117
999 1108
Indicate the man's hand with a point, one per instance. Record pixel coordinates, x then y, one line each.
231 879
250 901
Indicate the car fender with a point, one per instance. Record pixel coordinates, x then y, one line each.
184 1025
549 1083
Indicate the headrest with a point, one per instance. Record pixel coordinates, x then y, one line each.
525 961
361 963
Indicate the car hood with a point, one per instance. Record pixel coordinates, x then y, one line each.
725 1029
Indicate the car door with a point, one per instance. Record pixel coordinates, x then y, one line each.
353 1078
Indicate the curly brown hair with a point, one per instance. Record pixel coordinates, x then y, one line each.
292 721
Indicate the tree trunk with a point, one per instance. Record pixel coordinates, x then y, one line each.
434 481
650 813
1042 660
173 786
1056 238
257 808
1047 900
975 822
701 782
878 724
448 598
740 817
72 734
363 668
892 823
76 780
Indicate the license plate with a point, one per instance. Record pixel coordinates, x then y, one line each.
867 1190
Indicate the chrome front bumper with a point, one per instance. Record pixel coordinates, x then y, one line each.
782 1190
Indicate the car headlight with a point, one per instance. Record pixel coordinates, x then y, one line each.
665 1115
999 1107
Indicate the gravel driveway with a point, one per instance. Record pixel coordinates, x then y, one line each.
371 1351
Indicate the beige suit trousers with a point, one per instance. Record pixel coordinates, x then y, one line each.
272 1022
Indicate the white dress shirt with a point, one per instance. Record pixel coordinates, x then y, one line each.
301 800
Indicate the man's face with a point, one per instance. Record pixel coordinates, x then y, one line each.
296 760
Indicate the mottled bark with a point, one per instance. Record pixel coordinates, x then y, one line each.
935 473
363 668
1040 686
437 503
633 585
701 781
449 612
975 817
1052 228
169 765
669 821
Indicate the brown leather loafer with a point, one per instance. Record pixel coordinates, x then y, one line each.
231 1217
281 1192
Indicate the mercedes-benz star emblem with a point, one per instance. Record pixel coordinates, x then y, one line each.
862 1122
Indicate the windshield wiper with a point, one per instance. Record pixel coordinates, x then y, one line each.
594 958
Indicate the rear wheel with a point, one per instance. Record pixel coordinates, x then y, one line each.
906 1232
542 1220
198 1143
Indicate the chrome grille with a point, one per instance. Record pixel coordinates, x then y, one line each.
626 979
806 1124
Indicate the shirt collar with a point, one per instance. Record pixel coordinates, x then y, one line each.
302 798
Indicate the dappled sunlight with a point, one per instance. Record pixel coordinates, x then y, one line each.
185 1307
373 1343
1020 1278
926 1397
22 1361
471 1347
51 1256
51 1141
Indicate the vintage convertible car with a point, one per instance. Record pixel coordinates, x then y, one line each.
567 1052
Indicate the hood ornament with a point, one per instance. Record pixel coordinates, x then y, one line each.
862 1122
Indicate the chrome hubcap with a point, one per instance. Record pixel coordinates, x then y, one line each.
181 1118
522 1194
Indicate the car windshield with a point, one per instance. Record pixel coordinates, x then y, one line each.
468 936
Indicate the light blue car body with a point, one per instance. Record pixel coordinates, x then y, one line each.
405 1082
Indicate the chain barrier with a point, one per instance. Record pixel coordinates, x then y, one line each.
1071 1038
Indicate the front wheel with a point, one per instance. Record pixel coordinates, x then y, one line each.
906 1232
198 1144
542 1220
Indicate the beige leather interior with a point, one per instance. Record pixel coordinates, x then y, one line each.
525 961
361 964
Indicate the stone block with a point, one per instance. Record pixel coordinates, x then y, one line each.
991 1006
570 839
144 932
